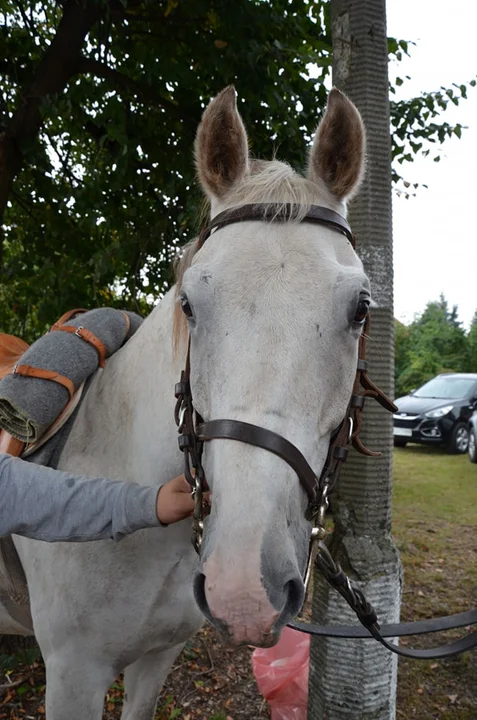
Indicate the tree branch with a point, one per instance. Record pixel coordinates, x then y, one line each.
28 23
54 71
67 171
133 87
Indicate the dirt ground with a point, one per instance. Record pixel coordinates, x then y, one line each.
212 682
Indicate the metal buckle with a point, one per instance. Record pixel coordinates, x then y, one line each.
182 413
351 426
78 331
198 517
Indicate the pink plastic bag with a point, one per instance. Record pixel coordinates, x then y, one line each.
282 672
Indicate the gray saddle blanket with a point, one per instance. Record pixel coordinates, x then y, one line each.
28 405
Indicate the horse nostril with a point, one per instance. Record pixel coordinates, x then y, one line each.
201 600
295 594
199 592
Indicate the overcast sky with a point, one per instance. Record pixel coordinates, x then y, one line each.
435 235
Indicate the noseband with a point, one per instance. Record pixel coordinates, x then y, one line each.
194 432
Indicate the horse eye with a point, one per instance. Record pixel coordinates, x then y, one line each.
361 311
186 308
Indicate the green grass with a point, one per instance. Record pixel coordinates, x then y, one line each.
431 485
435 527
435 530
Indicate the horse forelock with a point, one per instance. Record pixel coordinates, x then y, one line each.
276 182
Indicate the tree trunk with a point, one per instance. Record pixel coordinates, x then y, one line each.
356 679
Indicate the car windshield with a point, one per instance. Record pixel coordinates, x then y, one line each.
447 388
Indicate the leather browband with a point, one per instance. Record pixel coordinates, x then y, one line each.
277 213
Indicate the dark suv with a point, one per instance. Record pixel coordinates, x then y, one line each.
438 413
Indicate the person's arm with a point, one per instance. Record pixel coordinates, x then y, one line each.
46 504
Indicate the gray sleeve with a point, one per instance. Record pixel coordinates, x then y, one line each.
45 504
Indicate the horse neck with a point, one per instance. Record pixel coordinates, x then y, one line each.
125 427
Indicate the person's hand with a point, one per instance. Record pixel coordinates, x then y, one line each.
175 502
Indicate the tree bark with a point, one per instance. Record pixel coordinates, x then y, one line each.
51 77
356 679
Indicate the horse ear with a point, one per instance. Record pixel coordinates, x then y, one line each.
337 156
221 146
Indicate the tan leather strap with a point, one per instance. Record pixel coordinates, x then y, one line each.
10 445
88 337
128 322
66 317
29 371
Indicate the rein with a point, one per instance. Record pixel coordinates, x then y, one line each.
194 432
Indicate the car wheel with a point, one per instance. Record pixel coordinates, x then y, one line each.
399 442
459 441
472 447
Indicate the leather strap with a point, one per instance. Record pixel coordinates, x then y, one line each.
30 371
449 622
366 614
444 651
10 445
277 213
265 439
418 627
128 322
88 337
66 317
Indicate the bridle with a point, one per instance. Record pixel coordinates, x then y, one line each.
194 432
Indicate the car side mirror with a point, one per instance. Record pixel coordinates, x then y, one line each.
411 392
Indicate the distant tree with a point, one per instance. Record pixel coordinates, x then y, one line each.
472 340
402 349
435 342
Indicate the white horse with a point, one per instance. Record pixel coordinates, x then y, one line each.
274 315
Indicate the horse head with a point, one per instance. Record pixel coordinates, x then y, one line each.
274 312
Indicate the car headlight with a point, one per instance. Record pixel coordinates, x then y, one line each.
440 412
